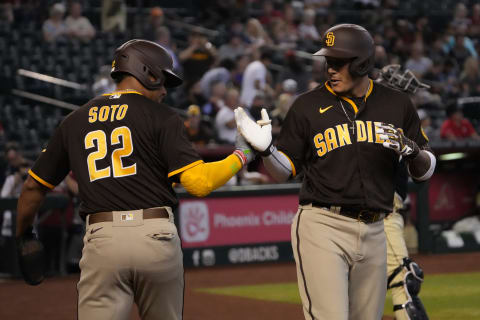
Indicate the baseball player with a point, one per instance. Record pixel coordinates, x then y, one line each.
404 275
346 136
125 149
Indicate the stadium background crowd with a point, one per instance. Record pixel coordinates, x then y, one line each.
254 53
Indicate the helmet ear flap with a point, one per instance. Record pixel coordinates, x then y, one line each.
359 68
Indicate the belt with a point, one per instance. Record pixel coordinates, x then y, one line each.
151 213
365 215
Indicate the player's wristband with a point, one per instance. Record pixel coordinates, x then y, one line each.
267 151
241 156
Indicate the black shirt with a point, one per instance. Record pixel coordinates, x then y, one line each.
125 151
343 160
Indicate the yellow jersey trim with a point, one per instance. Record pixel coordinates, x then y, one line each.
294 172
191 165
350 101
122 92
45 183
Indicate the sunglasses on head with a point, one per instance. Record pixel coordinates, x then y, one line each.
337 63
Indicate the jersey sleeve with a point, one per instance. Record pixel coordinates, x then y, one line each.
292 139
176 149
412 126
53 164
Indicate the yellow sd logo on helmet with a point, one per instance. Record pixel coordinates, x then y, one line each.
330 39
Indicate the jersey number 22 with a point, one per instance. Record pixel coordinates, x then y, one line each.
124 151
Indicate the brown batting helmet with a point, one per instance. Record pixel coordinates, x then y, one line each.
144 59
350 41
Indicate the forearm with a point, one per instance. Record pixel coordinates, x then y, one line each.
421 167
29 202
206 177
279 165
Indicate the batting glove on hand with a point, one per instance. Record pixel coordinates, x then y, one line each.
396 140
258 135
243 150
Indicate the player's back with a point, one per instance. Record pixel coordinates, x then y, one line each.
118 149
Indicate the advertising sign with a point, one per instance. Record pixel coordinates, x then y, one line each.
236 220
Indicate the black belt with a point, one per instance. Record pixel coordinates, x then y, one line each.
151 213
364 215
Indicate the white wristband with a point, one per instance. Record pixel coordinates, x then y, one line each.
429 173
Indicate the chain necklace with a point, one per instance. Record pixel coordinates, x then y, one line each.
352 123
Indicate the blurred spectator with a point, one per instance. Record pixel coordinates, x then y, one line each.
14 158
366 4
460 17
197 58
283 104
470 78
255 78
154 21
54 28
114 15
11 189
268 13
198 133
255 34
223 73
289 18
162 37
461 42
258 103
234 48
6 13
426 123
215 99
79 26
307 29
418 63
281 36
474 30
103 82
456 127
225 119
14 182
294 69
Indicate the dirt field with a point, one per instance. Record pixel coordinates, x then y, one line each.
55 299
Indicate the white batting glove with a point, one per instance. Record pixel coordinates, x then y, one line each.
396 140
258 135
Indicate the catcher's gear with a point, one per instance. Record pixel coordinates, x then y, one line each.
412 282
258 136
31 258
350 41
393 76
396 140
243 150
145 59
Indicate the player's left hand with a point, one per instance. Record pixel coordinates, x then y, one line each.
396 140
31 258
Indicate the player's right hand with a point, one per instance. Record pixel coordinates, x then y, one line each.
258 135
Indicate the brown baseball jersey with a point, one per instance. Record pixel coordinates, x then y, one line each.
332 140
125 151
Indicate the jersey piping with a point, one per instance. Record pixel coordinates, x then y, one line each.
193 164
350 101
294 172
122 92
45 183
